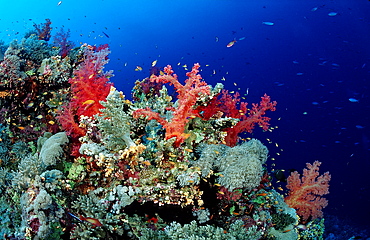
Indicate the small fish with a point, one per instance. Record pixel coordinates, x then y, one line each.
51 122
301 227
74 216
138 69
188 150
262 194
30 104
60 2
242 38
147 163
93 221
88 102
314 9
354 100
230 44
105 34
332 14
268 23
154 63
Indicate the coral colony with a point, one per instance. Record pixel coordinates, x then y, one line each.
80 161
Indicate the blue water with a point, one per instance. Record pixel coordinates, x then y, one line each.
309 62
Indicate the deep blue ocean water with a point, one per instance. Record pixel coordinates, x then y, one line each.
312 57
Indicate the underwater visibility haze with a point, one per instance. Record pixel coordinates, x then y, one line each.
185 119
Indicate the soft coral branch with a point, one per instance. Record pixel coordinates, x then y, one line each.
228 105
249 119
188 94
304 195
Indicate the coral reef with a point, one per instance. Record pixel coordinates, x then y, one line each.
81 161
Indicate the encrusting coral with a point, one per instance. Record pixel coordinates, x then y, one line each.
81 161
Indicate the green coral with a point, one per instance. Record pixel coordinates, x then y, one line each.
193 231
75 170
281 220
35 49
114 122
52 148
10 216
59 69
29 167
315 230
238 167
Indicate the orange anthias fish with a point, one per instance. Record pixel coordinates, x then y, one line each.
262 194
93 221
138 69
88 102
230 44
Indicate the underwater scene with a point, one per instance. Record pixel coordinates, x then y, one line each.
188 120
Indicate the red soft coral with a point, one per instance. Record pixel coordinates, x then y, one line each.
90 83
249 118
224 103
188 95
89 86
304 195
69 124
